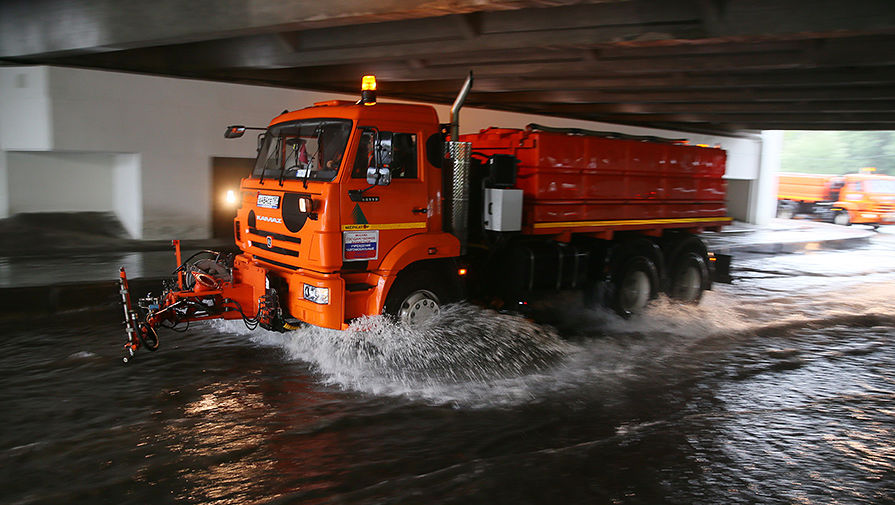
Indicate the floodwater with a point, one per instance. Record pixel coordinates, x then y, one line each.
777 389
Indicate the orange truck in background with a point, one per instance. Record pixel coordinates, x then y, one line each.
356 209
861 198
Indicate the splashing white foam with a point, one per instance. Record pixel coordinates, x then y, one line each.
465 352
477 357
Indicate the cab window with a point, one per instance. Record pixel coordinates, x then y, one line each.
397 152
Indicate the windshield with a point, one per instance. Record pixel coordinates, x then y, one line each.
308 149
885 187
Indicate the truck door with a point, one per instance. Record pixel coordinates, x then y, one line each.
387 214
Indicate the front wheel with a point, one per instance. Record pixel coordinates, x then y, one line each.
416 298
842 218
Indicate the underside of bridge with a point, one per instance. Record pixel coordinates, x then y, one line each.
716 66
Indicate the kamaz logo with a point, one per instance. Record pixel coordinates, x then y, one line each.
270 219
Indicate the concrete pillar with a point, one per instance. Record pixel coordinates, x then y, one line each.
4 186
127 193
763 196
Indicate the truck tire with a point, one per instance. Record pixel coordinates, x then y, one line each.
842 218
415 298
785 210
635 285
688 278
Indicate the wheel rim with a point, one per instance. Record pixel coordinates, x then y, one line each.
419 307
688 283
841 218
635 291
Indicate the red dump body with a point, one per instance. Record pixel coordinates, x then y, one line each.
585 183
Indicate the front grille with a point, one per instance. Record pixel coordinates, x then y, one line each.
278 236
259 240
260 244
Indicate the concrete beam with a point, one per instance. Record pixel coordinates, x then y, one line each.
85 26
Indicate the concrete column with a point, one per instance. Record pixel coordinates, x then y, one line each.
4 186
763 196
127 193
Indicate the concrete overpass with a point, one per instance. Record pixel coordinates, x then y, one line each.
721 71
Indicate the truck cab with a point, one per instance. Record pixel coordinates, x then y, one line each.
342 197
866 199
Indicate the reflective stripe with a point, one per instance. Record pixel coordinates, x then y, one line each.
626 222
384 226
794 197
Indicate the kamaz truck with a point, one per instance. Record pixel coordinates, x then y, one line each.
364 208
858 198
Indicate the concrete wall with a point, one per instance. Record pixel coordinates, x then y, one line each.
25 111
60 182
162 133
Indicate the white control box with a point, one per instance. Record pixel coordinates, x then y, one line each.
503 209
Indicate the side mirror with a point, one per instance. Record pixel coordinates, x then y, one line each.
379 176
235 131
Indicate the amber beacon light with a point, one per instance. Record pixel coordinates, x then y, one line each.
368 90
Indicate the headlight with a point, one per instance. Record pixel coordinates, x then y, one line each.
305 204
316 295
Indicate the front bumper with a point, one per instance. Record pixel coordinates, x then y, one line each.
326 315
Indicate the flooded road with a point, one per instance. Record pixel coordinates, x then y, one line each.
777 389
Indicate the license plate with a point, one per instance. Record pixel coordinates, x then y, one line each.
269 201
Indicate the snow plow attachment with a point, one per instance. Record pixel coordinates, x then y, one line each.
205 286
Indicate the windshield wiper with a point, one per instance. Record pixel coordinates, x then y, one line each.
264 167
308 167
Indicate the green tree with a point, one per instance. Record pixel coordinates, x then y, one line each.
812 152
871 149
838 152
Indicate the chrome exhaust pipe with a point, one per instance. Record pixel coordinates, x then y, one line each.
460 152
458 104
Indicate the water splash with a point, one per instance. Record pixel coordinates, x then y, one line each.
463 349
477 357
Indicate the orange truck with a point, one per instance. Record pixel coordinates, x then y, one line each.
363 208
862 198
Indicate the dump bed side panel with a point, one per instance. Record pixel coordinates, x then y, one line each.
803 187
583 183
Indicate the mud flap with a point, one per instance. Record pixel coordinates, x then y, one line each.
719 268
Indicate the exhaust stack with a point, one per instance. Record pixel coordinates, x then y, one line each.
459 152
458 104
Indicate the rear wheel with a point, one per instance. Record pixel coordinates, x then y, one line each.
635 286
785 210
415 298
688 278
